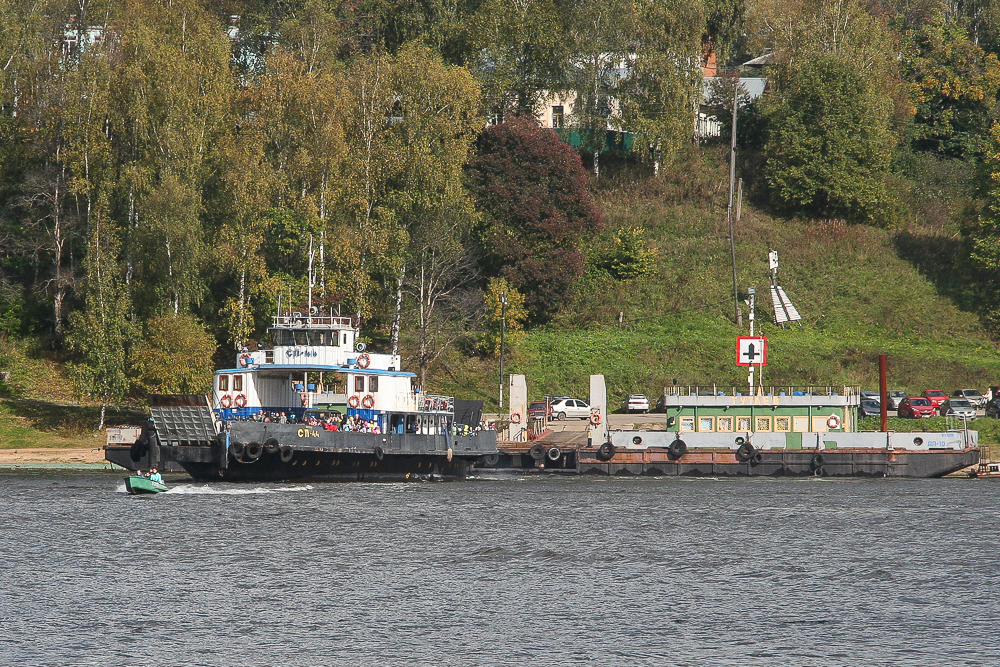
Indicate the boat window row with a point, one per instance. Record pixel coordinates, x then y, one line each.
421 424
359 383
757 423
237 381
293 337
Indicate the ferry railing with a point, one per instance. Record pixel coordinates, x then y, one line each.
773 390
297 319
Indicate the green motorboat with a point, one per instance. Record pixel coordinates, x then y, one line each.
137 484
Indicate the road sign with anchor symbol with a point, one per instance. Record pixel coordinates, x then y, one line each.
751 351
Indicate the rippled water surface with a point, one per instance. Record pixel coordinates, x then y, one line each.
499 572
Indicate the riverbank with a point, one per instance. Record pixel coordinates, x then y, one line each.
53 457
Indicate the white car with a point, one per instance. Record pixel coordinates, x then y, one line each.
958 407
636 403
570 407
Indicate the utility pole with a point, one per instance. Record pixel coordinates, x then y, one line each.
729 210
503 331
751 301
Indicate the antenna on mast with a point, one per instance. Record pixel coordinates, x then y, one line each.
784 311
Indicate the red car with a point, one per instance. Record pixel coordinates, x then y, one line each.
916 407
935 396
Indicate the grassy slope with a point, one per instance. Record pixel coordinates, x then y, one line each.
857 295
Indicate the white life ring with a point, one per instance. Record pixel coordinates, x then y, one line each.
241 401
368 402
364 360
833 421
354 401
226 401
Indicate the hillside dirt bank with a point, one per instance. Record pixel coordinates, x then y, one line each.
51 455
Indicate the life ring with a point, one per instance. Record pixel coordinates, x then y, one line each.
677 449
515 418
226 401
553 454
379 452
368 402
745 452
605 452
354 401
364 360
537 451
444 404
240 401
304 397
833 421
244 359
286 454
595 418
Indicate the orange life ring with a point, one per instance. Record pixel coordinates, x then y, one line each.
595 418
368 402
241 401
244 359
515 417
304 397
354 401
226 401
364 360
444 404
833 421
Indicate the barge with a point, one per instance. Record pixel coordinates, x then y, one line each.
316 406
707 432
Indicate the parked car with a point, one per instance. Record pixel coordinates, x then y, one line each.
869 409
896 397
539 410
871 396
635 403
935 396
971 395
958 407
993 408
915 407
570 407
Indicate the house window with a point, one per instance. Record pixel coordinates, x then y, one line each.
359 383
783 424
223 383
743 424
372 383
724 424
706 424
557 116
763 424
237 383
687 424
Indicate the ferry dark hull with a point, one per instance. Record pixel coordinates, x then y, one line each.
724 462
265 452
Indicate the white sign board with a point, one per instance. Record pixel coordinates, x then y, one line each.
751 351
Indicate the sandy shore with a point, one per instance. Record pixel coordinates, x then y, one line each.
52 456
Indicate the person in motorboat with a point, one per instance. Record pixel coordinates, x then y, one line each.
155 476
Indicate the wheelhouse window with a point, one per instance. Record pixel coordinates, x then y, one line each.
223 383
237 383
359 383
372 383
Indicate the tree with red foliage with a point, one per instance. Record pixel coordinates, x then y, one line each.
533 192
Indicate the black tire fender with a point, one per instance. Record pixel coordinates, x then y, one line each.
272 445
379 452
606 452
286 454
236 449
253 451
745 452
537 451
677 449
817 461
553 454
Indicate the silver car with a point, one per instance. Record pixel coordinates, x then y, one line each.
958 407
570 407
973 396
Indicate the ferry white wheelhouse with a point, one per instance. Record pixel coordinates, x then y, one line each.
314 361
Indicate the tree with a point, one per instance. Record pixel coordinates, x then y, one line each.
955 85
829 142
534 194
175 357
509 320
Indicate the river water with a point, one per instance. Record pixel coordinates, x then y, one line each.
516 571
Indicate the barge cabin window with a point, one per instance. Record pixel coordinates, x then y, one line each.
706 424
783 424
223 383
687 424
743 424
359 383
237 383
763 424
372 384
724 424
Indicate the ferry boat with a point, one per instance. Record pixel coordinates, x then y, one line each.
314 405
711 431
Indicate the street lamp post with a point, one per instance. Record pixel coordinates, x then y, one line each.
503 331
